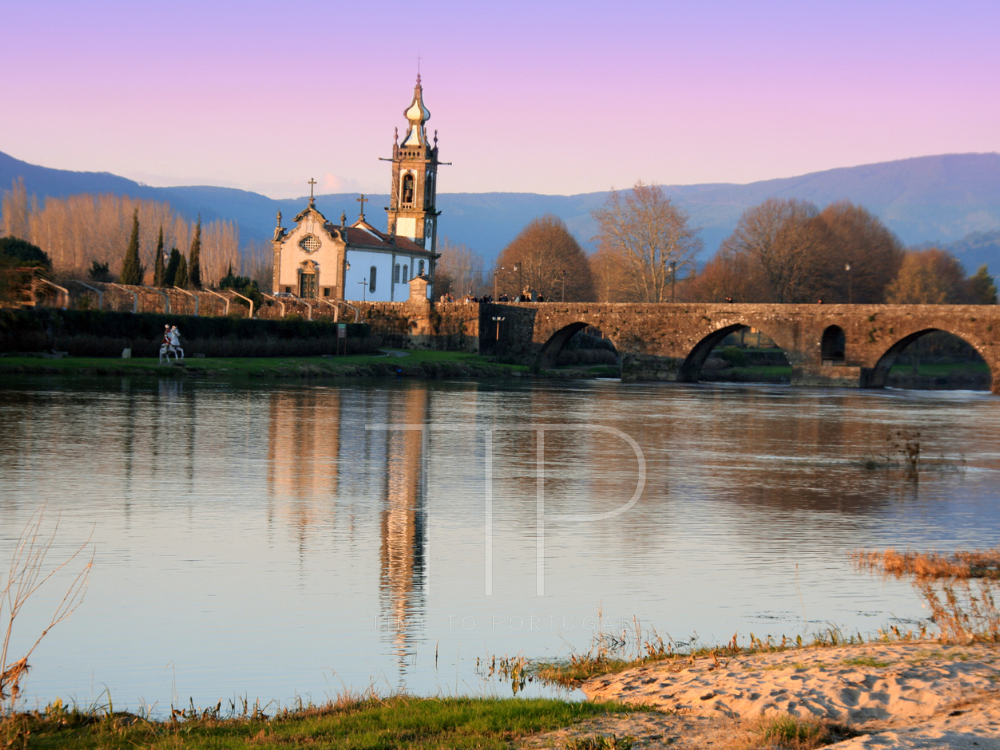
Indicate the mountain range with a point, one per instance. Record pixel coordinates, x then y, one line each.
951 200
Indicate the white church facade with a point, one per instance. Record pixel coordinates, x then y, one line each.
318 259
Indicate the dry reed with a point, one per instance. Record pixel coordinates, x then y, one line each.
963 613
923 565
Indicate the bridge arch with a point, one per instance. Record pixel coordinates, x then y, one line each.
880 372
548 355
690 369
833 345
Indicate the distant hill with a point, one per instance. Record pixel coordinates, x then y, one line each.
946 200
977 249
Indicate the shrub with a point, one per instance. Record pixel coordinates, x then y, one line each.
733 355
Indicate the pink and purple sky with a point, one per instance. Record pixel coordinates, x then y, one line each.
528 96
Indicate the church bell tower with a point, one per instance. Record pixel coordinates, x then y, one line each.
412 202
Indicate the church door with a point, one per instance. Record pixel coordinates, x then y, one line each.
307 286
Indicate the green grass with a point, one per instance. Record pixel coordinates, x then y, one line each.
355 724
416 363
942 370
791 731
866 661
771 371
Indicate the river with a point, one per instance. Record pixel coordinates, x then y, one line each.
292 540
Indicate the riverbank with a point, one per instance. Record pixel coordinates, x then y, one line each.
903 694
900 695
371 721
408 364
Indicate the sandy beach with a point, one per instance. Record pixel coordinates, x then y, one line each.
920 694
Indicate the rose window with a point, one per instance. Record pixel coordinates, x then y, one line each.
310 243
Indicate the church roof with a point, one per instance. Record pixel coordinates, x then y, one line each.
363 234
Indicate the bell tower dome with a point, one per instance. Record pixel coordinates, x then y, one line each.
412 202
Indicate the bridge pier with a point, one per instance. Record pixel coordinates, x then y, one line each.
650 367
644 367
832 376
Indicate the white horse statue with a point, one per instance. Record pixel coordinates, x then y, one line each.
171 345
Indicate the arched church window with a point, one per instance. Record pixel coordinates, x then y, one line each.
310 243
395 274
408 189
421 269
406 276
371 279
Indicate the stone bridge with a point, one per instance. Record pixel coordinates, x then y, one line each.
840 345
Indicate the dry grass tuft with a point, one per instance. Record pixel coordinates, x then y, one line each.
600 742
787 733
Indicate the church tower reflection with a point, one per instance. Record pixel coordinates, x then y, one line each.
303 456
327 449
404 533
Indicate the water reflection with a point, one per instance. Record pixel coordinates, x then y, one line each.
312 446
310 513
404 531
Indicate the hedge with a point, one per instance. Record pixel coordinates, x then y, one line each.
103 333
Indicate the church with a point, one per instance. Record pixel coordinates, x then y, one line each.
318 259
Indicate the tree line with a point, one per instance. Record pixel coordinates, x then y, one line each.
110 237
785 251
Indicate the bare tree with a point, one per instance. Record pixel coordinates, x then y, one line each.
220 249
16 209
546 259
728 277
928 277
258 264
782 241
26 574
459 270
860 240
648 233
612 282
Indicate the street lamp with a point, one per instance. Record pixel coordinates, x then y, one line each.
520 281
496 350
673 279
850 291
563 298
364 283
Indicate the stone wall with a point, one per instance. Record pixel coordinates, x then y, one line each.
421 324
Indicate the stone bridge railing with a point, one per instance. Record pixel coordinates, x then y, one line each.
415 322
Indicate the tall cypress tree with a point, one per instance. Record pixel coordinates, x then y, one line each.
182 280
170 275
158 269
194 257
132 270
